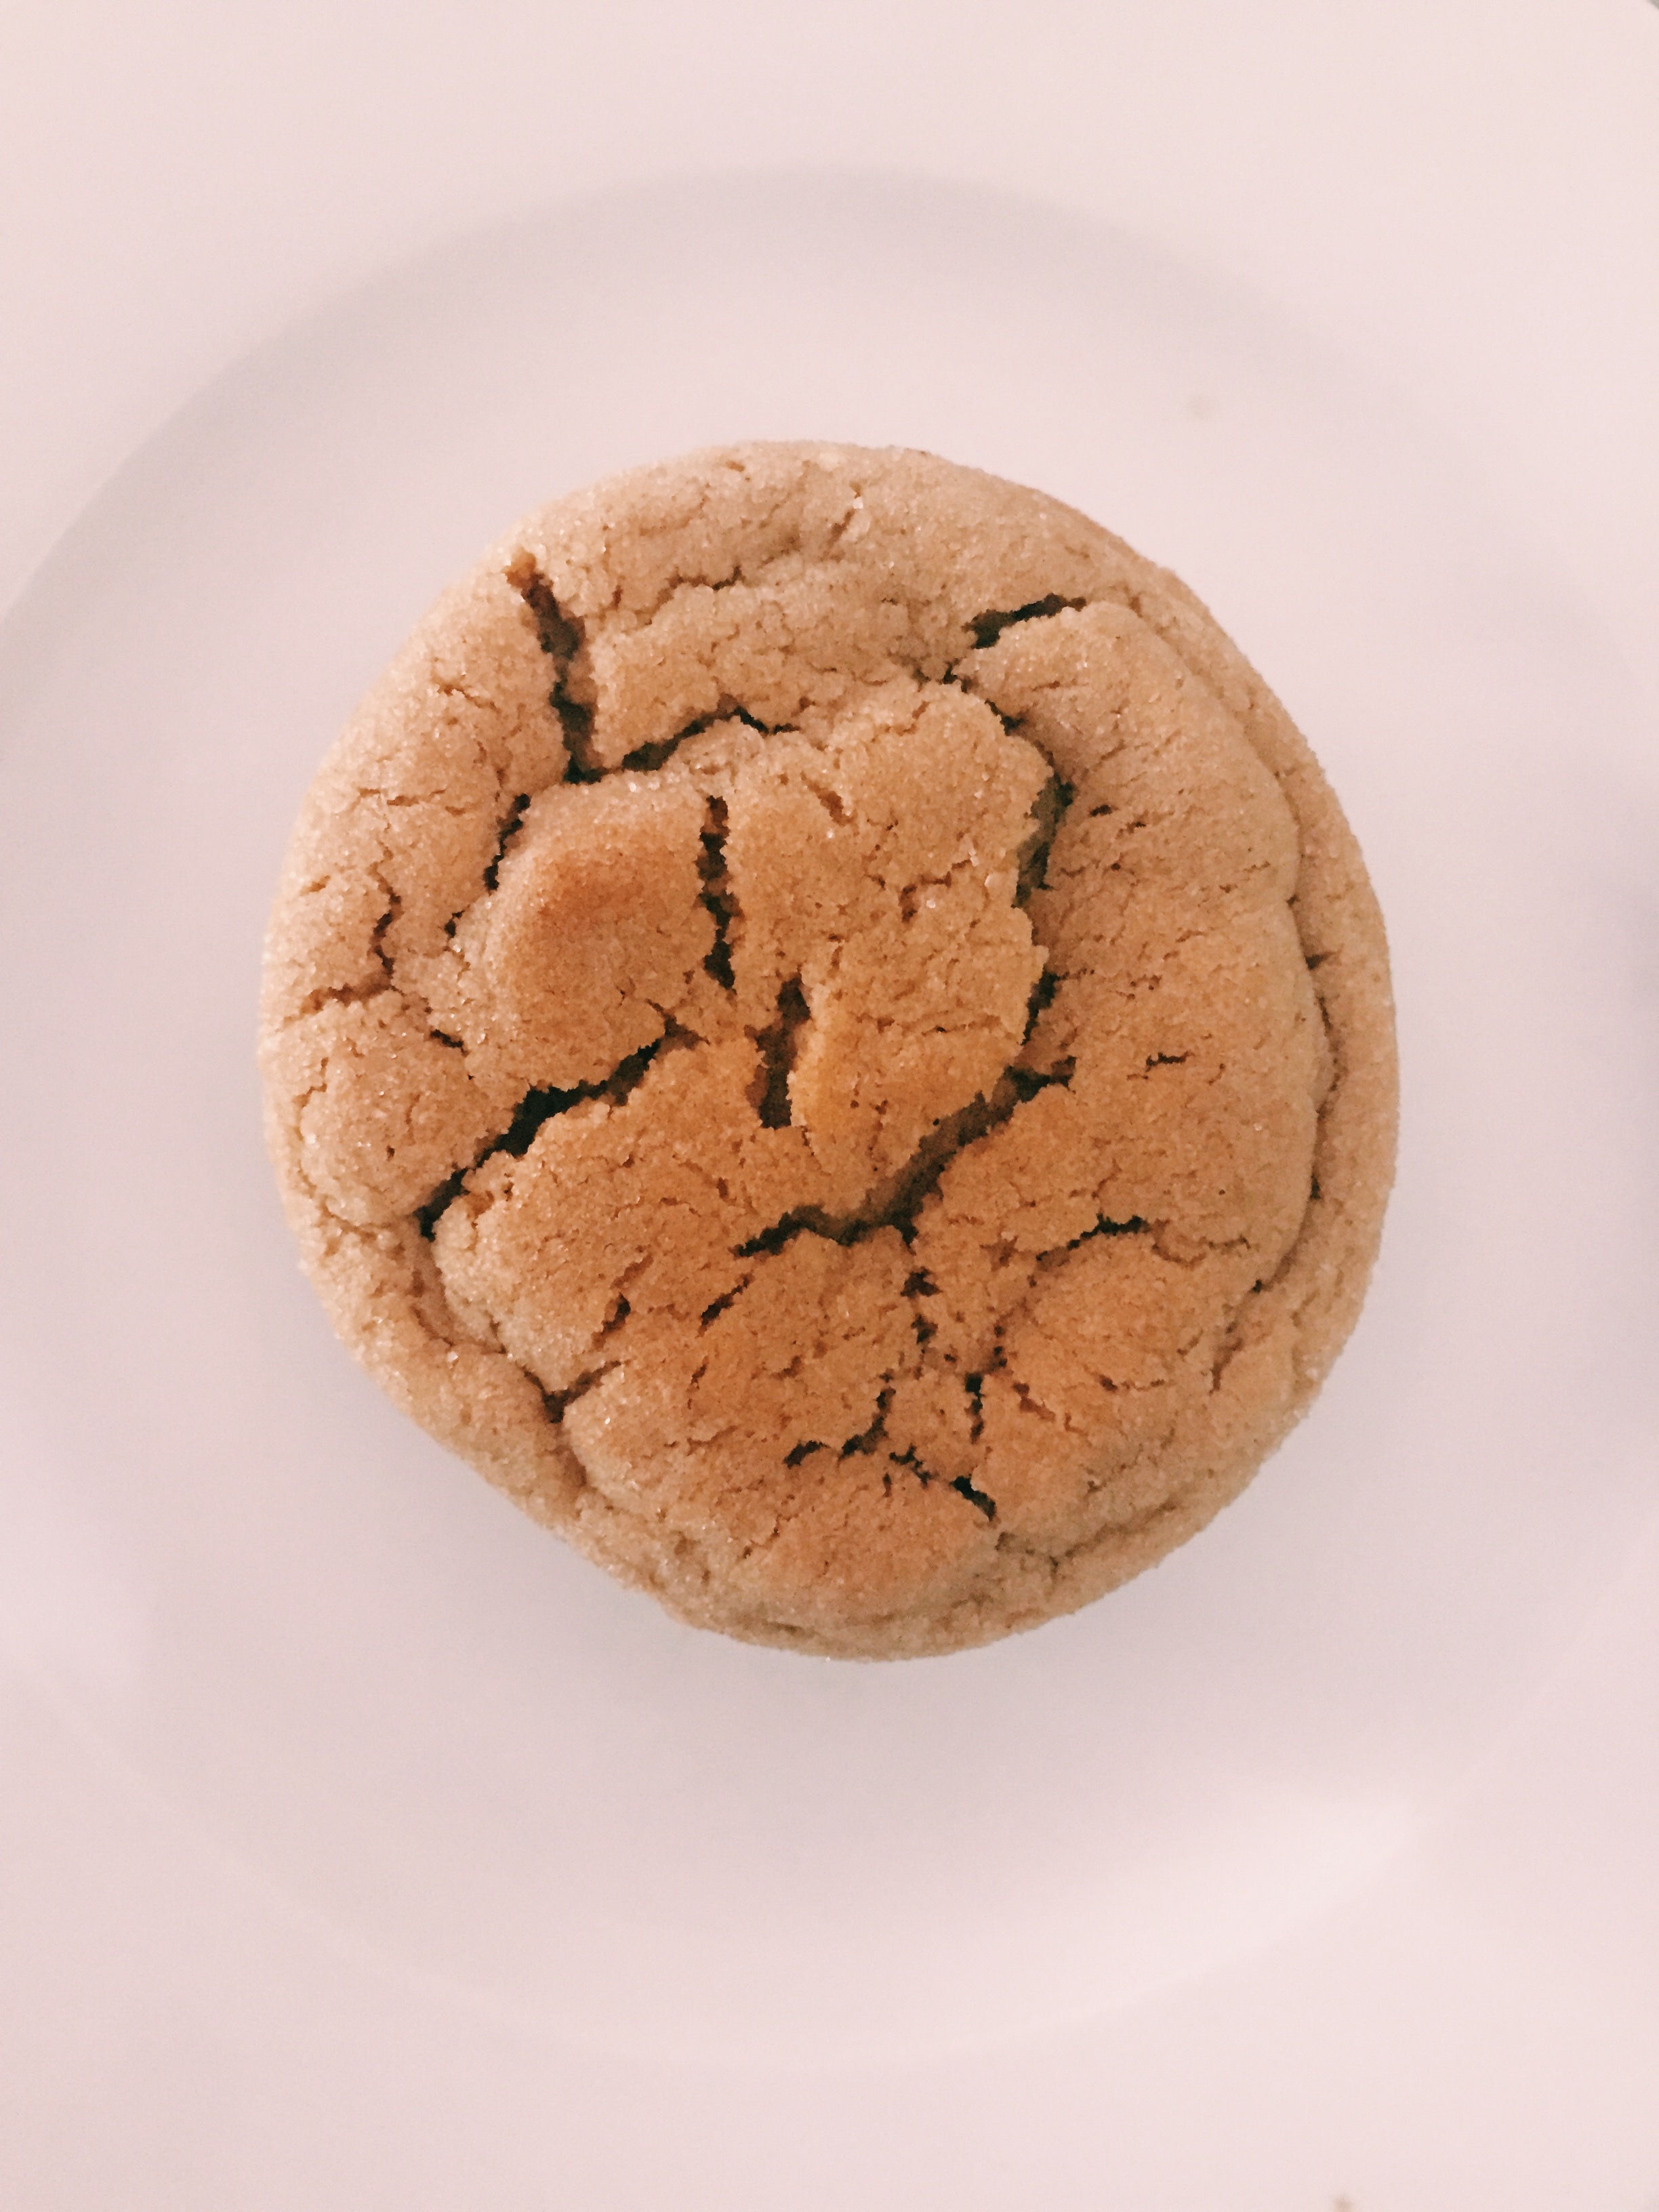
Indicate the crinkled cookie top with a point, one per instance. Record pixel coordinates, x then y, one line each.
823 1029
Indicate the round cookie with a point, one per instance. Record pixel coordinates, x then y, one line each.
822 1027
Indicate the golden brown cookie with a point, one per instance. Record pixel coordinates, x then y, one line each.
823 1029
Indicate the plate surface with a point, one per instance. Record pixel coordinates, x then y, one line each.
336 1653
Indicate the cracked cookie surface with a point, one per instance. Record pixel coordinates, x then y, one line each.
823 1028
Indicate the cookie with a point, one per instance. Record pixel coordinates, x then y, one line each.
822 1027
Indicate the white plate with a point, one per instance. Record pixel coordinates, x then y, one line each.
396 1701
